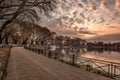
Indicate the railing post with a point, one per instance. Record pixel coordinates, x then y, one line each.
109 74
55 55
73 59
88 65
38 51
111 69
49 54
114 70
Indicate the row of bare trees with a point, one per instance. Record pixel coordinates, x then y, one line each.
25 34
14 12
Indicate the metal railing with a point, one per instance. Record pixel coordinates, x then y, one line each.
106 68
102 67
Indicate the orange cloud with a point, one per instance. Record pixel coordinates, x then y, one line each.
80 6
81 16
105 8
96 15
118 6
91 5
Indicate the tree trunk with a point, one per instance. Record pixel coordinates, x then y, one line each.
2 29
15 41
6 40
4 26
25 41
0 39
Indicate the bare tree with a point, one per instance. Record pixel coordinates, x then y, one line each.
22 10
29 32
10 31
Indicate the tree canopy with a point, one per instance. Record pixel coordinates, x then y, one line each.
23 10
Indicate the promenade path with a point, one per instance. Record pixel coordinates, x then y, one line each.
26 65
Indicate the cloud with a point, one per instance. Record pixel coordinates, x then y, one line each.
116 27
112 17
65 31
92 7
81 16
104 7
100 20
110 13
80 6
118 6
73 15
106 38
87 32
84 30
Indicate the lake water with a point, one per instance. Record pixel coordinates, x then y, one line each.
106 55
99 60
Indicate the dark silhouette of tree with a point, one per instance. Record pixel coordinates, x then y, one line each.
8 32
22 10
29 32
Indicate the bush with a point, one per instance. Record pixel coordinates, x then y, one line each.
4 54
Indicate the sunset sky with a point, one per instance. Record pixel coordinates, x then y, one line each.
87 19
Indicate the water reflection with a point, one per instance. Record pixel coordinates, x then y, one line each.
95 53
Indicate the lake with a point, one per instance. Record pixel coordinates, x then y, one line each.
100 54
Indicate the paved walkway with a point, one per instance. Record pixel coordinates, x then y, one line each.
25 65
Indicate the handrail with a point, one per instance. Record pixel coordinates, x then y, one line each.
111 67
99 65
101 60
